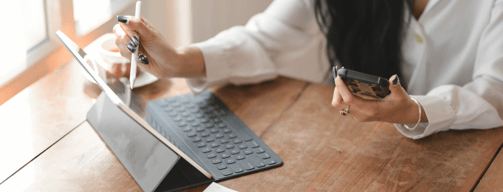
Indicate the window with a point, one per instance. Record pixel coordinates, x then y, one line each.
31 25
102 11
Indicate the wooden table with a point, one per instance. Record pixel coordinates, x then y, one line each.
46 144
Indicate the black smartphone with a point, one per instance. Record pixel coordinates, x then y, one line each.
366 86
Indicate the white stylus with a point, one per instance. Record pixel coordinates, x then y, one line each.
134 57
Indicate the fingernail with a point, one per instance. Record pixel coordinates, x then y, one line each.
396 80
135 41
122 19
143 59
334 71
130 47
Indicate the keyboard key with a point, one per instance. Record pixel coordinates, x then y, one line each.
222 125
203 105
185 114
205 134
205 120
264 156
214 130
242 146
177 119
258 150
191 134
185 101
196 139
210 139
194 124
239 157
224 155
199 115
217 120
219 135
191 106
216 161
227 130
209 125
214 145
256 161
226 172
219 150
173 114
270 161
232 135
201 145
236 168
212 115
206 150
234 151
194 110
229 146
176 104
248 151
230 161
182 123
211 155
247 165
187 129
253 144
208 110
224 141
167 108
223 166
190 119
200 129
180 109
245 137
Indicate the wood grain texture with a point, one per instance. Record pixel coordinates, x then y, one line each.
324 151
74 148
41 114
493 178
79 162
321 150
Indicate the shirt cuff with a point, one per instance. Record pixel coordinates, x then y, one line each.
440 117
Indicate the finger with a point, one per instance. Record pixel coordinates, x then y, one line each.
121 41
337 101
347 96
131 33
136 27
396 88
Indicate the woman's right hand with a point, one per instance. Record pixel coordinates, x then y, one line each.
162 60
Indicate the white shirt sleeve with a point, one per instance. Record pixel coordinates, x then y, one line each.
476 105
283 40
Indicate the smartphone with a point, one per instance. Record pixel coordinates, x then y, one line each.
366 86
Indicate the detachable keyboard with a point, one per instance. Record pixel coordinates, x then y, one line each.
209 133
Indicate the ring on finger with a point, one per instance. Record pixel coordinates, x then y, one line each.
345 111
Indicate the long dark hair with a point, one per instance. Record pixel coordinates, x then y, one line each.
363 35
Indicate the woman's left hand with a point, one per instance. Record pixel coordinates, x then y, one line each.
397 107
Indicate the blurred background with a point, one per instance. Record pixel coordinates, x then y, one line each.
31 50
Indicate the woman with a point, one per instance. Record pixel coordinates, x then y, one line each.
449 54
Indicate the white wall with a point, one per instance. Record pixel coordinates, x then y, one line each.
209 17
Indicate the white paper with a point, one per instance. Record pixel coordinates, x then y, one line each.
215 187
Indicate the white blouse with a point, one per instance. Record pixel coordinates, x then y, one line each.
453 58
